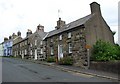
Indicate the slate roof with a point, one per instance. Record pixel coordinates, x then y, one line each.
71 25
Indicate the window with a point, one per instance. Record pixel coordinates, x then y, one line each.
51 48
31 45
35 42
51 40
60 37
25 42
70 48
41 42
69 35
41 51
31 52
25 52
20 52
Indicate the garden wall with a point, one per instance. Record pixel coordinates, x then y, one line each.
113 67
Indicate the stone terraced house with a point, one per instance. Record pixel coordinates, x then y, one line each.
32 46
71 39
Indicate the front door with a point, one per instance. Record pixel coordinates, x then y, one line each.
22 54
60 52
35 54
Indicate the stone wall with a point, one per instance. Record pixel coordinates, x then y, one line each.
78 42
112 67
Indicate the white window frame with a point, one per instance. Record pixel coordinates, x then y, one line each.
31 52
25 52
51 51
69 35
70 47
60 37
41 42
41 51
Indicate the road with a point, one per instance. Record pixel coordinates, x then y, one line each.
18 70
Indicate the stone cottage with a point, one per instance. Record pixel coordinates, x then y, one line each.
36 44
71 39
15 47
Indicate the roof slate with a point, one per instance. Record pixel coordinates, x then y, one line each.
71 25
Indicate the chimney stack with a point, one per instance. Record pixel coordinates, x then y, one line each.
10 37
5 39
13 35
60 24
29 32
19 33
95 8
40 28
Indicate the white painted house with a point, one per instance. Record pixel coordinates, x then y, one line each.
1 49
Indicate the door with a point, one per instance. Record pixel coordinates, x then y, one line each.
35 54
60 52
22 54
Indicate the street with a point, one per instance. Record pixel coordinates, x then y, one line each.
18 70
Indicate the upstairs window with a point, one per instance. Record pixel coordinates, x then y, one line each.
51 40
60 37
69 35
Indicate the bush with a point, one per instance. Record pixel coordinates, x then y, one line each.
105 51
51 59
66 61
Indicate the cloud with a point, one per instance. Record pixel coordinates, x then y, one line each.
21 15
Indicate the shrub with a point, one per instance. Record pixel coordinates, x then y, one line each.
105 51
66 61
51 59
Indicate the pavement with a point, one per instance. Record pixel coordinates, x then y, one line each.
75 69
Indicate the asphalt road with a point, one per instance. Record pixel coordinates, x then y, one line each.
18 70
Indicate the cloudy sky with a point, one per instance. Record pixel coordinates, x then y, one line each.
20 15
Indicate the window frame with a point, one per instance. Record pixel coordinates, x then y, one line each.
69 34
60 37
70 48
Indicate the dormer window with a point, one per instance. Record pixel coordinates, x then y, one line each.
60 37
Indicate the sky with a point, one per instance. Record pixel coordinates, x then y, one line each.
21 15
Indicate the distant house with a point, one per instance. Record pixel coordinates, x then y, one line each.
36 44
71 39
31 47
7 45
1 49
15 47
